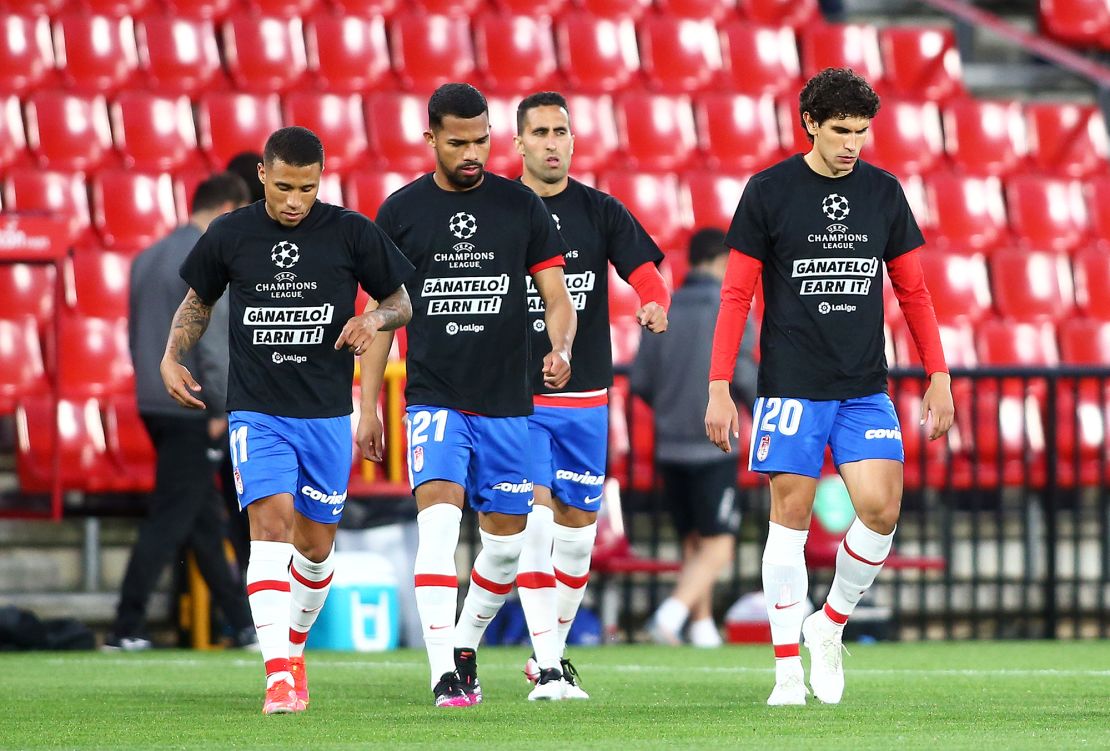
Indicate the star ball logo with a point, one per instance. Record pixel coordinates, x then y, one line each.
285 254
835 207
558 224
463 225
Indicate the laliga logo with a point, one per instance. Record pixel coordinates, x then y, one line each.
824 308
452 328
539 325
463 225
285 254
835 207
279 358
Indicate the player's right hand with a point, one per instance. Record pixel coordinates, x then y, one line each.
180 382
370 437
721 419
556 370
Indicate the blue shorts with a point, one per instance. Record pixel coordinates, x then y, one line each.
308 458
487 456
790 435
569 447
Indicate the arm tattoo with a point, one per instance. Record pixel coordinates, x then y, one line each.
189 324
395 310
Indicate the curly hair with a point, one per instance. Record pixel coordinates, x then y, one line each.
835 93
457 99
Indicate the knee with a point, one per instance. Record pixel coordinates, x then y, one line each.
882 520
317 553
271 528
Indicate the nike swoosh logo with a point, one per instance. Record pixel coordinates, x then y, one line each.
437 628
264 625
531 501
311 610
563 623
484 617
595 499
779 606
540 633
337 511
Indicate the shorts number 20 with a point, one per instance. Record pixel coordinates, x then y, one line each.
781 415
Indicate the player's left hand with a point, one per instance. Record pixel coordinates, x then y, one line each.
370 437
359 332
652 317
556 370
937 409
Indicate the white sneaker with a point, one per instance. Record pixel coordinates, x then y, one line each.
790 685
822 638
662 635
550 687
704 634
572 688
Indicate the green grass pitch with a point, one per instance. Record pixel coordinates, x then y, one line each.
969 695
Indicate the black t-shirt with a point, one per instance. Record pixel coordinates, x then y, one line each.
822 241
468 338
292 291
597 229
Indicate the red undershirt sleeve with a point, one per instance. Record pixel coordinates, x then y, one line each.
737 291
917 306
549 263
650 286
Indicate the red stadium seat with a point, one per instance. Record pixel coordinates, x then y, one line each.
983 137
907 138
657 131
795 13
36 7
397 124
21 370
337 120
449 7
66 131
431 50
503 156
366 8
265 54
1047 214
503 44
331 189
95 54
348 54
714 10
968 213
713 198
534 8
1098 209
365 191
616 9
921 62
27 52
1092 282
131 210
229 123
1081 23
95 360
179 55
597 54
792 134
917 197
737 132
655 199
1083 415
62 193
1032 285
1084 341
203 9
97 283
623 300
958 284
285 8
129 444
760 59
679 55
1001 342
28 292
854 46
1067 139
13 141
154 132
84 461
595 132
118 8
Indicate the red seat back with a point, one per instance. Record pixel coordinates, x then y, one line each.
1032 285
96 54
337 119
67 131
21 368
985 137
760 59
657 130
679 55
348 54
597 54
179 55
738 132
264 54
229 123
27 52
921 62
501 42
431 50
154 132
131 210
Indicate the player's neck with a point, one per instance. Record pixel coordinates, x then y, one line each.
814 161
542 188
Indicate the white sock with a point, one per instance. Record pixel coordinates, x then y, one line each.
535 582
437 583
491 581
309 583
570 554
785 587
704 633
269 598
858 561
671 615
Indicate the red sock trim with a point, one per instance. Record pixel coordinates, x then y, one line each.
302 579
436 580
492 586
786 650
535 580
574 582
277 665
265 584
297 637
838 618
858 557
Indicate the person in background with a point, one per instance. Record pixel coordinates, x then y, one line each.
245 165
699 484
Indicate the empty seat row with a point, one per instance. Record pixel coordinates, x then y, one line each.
418 52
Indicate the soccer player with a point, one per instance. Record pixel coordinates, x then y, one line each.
292 264
569 428
474 238
819 224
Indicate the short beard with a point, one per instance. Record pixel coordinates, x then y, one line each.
458 180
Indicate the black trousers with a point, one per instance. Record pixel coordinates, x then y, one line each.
184 510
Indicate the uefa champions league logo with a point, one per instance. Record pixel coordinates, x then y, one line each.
558 224
463 225
285 254
835 207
